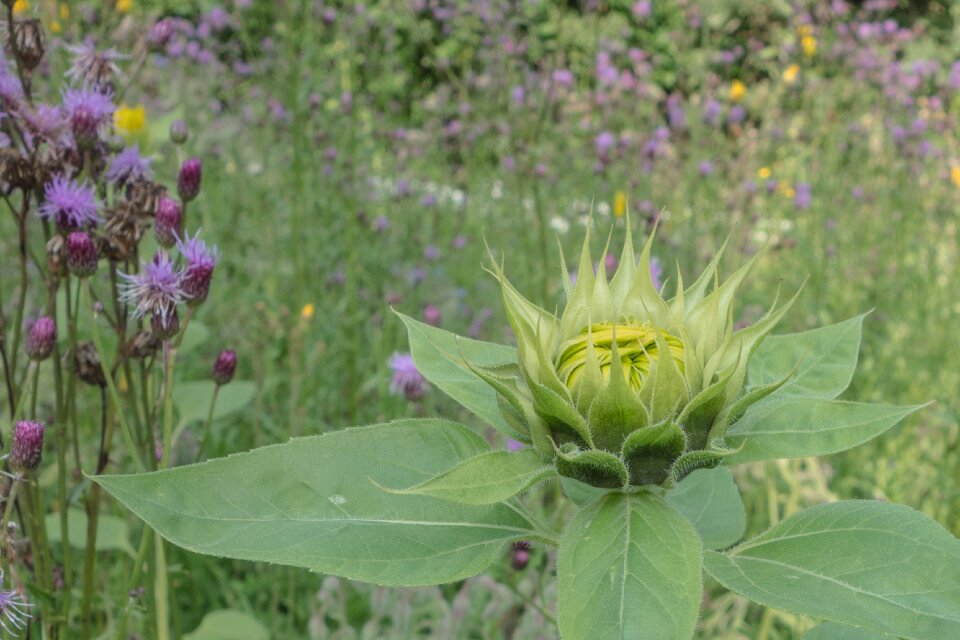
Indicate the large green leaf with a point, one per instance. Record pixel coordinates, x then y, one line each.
880 566
312 502
488 478
799 427
834 631
439 356
709 499
821 360
228 624
629 567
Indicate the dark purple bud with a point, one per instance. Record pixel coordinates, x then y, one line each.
27 447
188 182
167 227
85 126
520 555
225 366
179 132
81 254
41 336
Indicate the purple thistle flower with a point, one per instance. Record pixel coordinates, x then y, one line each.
224 367
81 254
169 215
513 445
803 196
13 611
27 447
656 273
432 315
70 204
89 111
201 260
11 90
46 121
407 380
41 336
705 168
156 290
129 166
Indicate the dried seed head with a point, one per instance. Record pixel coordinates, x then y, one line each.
41 336
15 171
225 366
27 447
29 42
81 254
142 345
122 230
86 364
56 255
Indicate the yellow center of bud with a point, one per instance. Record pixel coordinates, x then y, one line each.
637 350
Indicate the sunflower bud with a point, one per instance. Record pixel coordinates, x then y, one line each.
625 387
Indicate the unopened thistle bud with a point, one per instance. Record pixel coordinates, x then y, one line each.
86 364
431 315
41 336
27 447
160 34
81 254
179 132
188 182
224 367
168 218
29 42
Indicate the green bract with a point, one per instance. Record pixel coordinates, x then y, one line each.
596 393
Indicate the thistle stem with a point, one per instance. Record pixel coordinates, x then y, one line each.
206 426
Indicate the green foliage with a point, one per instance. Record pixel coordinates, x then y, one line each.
629 566
228 624
314 503
874 565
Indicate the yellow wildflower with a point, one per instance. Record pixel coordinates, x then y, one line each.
955 175
789 192
619 204
791 73
124 6
809 45
737 91
764 173
55 26
307 312
130 121
64 11
21 6
805 30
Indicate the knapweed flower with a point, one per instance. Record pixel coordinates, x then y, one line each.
169 215
201 261
625 387
81 254
13 611
224 367
88 111
41 336
27 447
406 380
69 204
129 166
156 290
188 180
